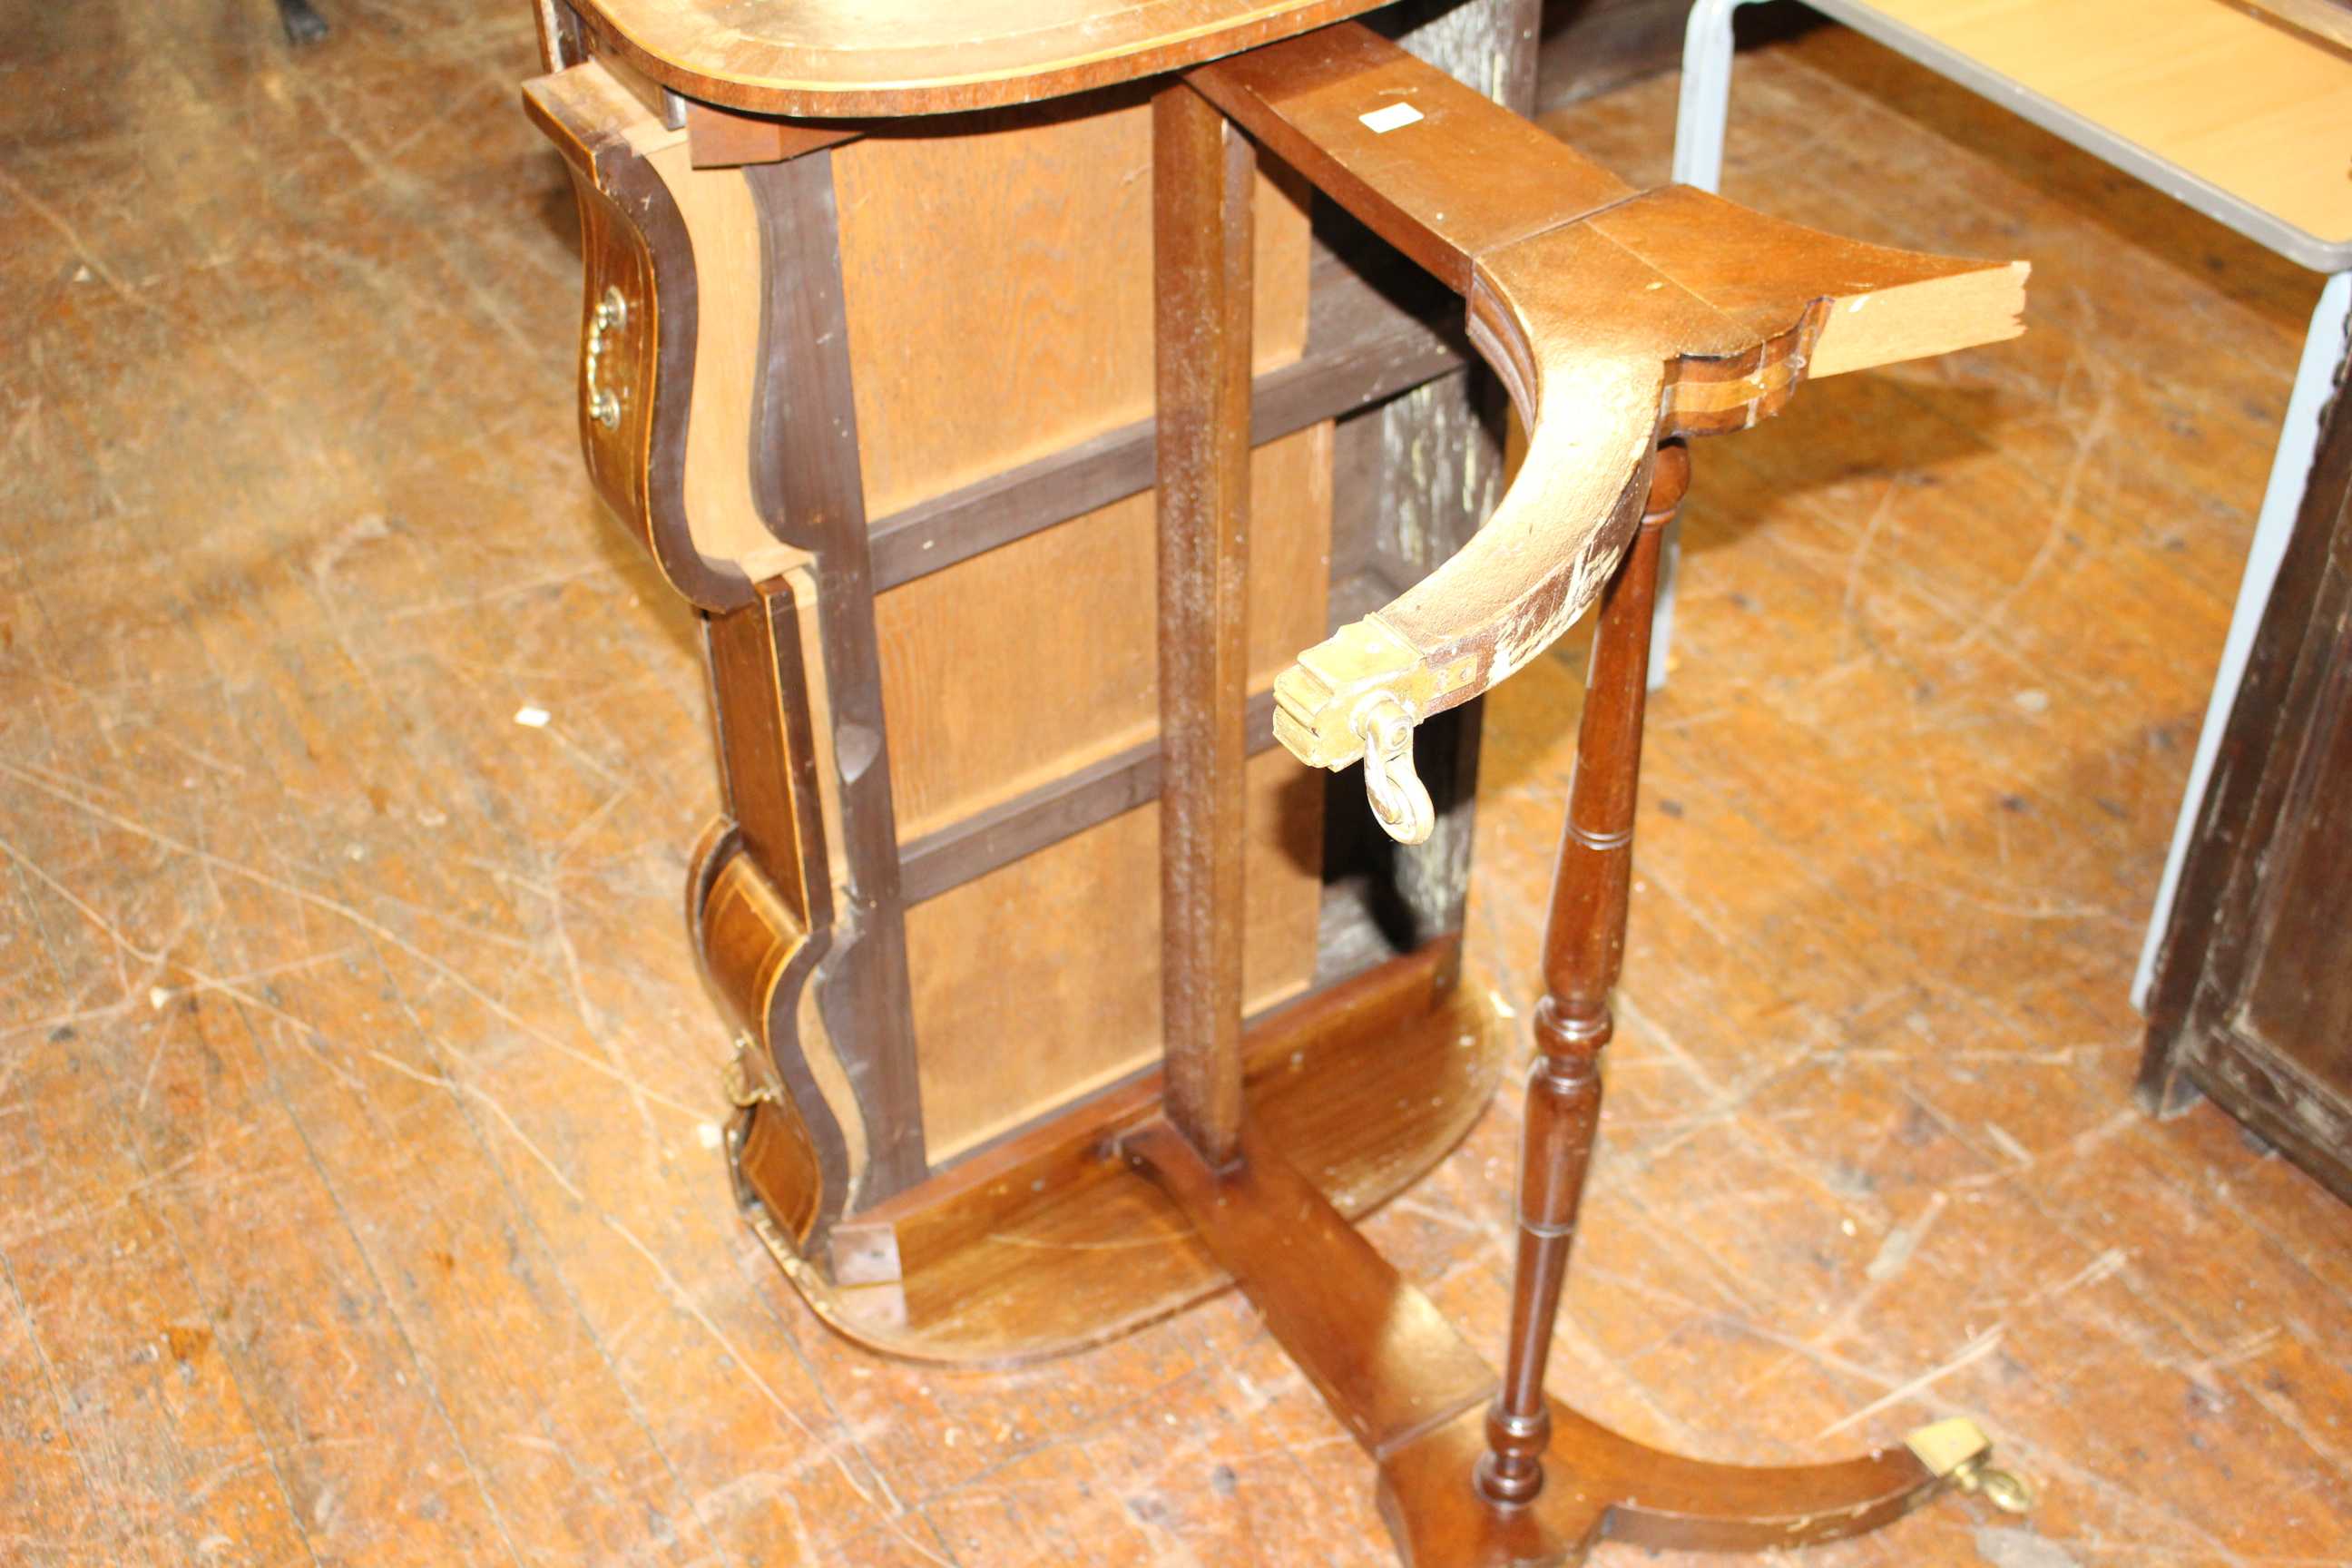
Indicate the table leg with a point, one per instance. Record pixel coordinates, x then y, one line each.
1388 1363
1202 169
1703 105
1702 114
1584 946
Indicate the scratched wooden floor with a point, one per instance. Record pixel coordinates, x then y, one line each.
357 1196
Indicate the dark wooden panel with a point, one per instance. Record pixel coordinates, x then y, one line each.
2299 998
2253 1001
1488 45
1412 478
1591 46
760 706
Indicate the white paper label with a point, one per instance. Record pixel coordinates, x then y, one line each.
1395 117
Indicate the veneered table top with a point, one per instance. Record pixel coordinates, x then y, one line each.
860 57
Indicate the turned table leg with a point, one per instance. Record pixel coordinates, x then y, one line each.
1397 1374
1584 946
1462 1455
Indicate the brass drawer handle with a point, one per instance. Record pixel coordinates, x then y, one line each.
612 315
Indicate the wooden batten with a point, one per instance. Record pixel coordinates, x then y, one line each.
989 959
979 717
1362 348
804 478
974 846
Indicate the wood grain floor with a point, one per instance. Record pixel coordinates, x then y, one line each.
358 1202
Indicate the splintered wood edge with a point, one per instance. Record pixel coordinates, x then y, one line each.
1922 320
1527 597
1721 312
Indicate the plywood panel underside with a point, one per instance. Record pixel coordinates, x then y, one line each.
1025 663
1040 981
1029 335
997 269
1017 668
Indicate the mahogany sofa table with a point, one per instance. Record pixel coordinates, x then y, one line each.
949 1174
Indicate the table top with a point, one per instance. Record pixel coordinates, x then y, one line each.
2247 122
862 58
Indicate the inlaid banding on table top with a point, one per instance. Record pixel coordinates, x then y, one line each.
861 58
